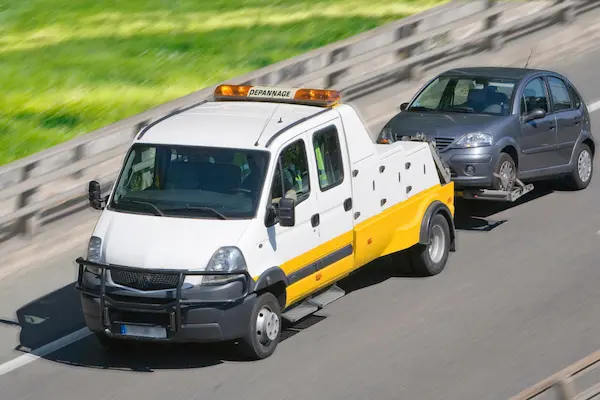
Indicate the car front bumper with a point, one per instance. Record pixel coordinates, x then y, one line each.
203 313
471 168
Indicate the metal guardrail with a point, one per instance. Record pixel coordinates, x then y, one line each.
410 45
562 382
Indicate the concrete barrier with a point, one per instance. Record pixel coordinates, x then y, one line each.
49 185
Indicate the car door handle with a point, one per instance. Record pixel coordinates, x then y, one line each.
576 120
348 204
551 127
314 220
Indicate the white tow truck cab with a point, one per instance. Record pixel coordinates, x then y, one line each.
233 214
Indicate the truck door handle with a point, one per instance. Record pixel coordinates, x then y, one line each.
348 204
314 220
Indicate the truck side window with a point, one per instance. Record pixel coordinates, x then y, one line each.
329 158
291 174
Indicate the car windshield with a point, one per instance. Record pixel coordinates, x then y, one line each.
466 94
201 182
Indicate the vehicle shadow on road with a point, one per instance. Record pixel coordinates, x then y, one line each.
59 313
474 215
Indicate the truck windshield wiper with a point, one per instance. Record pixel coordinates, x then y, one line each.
147 203
197 208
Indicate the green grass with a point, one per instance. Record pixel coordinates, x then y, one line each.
68 67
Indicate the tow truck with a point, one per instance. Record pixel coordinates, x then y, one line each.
231 215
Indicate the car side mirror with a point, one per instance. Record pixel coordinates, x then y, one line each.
403 106
287 212
95 195
538 113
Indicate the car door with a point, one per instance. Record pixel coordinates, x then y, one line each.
538 137
334 200
568 118
293 247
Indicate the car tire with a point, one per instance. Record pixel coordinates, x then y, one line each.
265 328
505 166
431 259
583 168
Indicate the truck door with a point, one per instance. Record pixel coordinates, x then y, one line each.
334 214
293 247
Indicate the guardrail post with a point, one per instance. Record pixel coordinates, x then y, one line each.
78 154
565 389
567 14
493 42
27 225
139 126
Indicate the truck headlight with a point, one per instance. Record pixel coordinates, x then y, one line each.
226 259
475 139
94 254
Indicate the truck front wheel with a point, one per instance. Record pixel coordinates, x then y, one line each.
265 328
431 259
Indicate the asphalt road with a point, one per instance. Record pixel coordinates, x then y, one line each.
518 301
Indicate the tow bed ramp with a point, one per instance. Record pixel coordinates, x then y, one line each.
561 386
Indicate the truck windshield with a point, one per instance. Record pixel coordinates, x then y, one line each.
201 182
467 94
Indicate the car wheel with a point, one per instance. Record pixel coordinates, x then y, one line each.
431 259
583 168
265 328
506 168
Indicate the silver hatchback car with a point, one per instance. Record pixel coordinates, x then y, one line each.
497 127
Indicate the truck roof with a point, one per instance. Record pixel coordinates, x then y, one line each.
233 124
238 116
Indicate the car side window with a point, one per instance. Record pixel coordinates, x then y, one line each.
535 96
560 94
328 155
574 96
291 178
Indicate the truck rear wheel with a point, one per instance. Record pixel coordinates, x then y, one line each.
265 328
431 259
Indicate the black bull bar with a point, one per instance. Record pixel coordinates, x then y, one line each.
173 308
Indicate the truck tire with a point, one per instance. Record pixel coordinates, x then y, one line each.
506 167
583 168
265 328
431 259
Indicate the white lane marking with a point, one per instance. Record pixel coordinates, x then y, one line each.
594 106
44 351
85 332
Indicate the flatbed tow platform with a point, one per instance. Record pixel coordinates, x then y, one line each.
519 191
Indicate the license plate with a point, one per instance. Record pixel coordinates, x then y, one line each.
155 332
459 194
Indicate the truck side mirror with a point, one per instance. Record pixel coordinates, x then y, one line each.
403 106
94 195
287 212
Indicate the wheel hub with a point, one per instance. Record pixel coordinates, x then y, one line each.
436 244
506 176
584 166
267 325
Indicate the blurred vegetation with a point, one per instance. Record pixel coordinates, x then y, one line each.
68 67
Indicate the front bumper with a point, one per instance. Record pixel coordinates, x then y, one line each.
471 168
203 313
